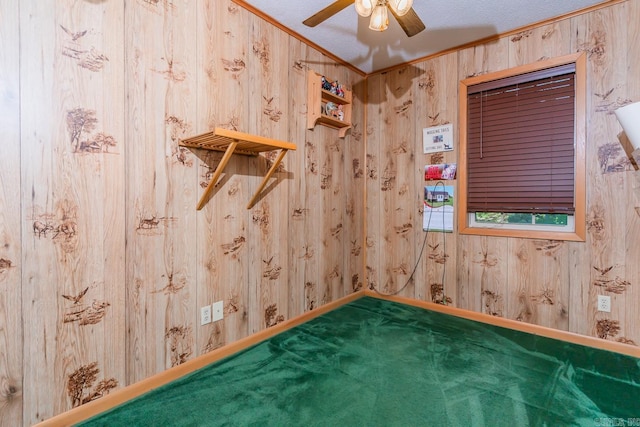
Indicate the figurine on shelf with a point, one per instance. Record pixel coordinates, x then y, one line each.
340 91
329 108
334 88
334 110
324 83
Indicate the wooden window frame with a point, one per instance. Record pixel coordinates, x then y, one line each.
579 233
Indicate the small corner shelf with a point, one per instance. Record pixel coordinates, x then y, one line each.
232 142
317 98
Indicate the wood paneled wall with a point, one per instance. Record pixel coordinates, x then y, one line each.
549 283
104 260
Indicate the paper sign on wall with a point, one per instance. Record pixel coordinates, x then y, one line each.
440 171
437 138
438 208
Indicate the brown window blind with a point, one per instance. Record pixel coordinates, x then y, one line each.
520 143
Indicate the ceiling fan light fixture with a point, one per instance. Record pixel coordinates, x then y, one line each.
364 7
401 7
379 18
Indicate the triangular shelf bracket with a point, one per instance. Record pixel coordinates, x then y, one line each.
232 142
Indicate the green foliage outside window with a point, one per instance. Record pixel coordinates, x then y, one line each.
521 218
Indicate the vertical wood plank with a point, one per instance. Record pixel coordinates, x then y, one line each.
399 194
387 170
332 189
373 217
177 284
39 295
161 218
268 87
354 186
11 328
297 214
110 195
600 35
142 219
310 210
222 245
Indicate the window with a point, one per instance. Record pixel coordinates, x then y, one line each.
522 151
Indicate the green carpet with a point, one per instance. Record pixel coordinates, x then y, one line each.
377 363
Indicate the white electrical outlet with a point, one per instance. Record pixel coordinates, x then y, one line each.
218 308
205 315
604 303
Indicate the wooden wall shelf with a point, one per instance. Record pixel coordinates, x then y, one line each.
232 142
317 98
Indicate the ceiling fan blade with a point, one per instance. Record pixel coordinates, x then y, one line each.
410 22
327 12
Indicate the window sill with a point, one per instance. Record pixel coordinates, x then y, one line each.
577 236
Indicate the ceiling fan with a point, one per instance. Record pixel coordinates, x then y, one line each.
402 10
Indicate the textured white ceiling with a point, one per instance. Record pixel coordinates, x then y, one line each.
449 23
